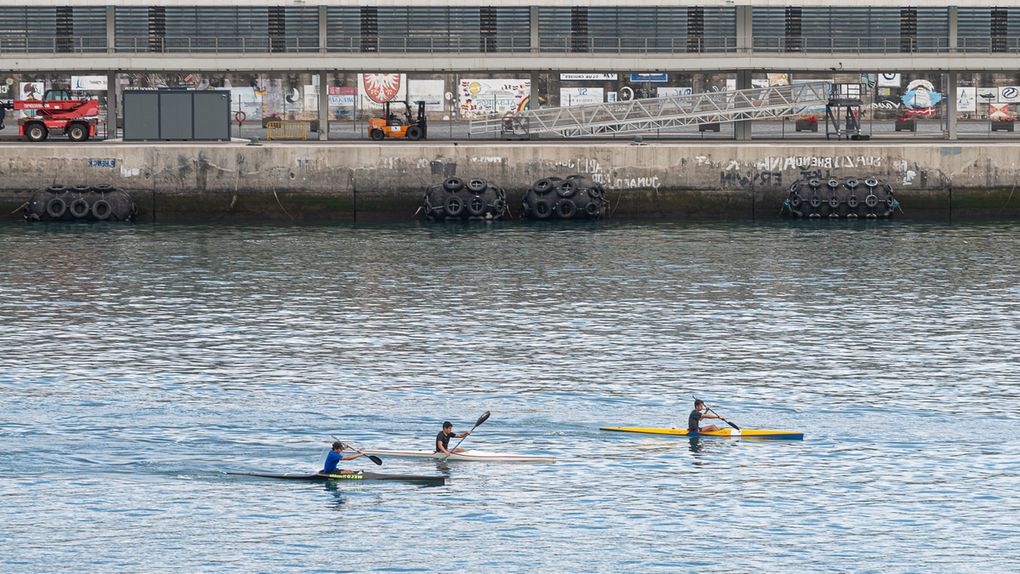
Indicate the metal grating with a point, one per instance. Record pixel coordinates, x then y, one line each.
59 29
622 30
824 29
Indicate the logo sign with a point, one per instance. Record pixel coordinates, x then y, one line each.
654 78
988 94
88 83
966 99
586 77
999 113
672 92
888 80
920 99
381 88
1009 94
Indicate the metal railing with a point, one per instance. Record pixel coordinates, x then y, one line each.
507 44
653 114
217 44
51 44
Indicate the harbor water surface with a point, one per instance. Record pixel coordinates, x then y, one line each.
141 363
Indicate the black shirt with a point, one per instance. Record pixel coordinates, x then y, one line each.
693 420
444 438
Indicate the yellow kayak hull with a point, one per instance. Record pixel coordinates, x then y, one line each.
721 433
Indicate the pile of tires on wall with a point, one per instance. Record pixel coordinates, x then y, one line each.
576 197
847 198
101 202
458 199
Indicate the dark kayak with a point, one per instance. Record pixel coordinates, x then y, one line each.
352 477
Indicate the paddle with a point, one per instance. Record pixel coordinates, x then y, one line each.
478 423
371 457
718 415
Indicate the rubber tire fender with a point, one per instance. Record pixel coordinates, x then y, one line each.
102 188
871 182
566 188
454 206
476 206
834 201
851 183
477 185
815 201
542 209
833 183
795 199
56 188
871 200
852 202
453 184
566 208
543 186
596 192
814 183
102 210
593 209
79 208
56 207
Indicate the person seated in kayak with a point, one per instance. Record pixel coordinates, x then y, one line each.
334 458
694 420
444 436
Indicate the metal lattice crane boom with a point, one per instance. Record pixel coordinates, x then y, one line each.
653 114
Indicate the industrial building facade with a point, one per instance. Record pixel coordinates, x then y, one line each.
326 62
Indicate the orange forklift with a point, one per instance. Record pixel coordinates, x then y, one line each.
391 125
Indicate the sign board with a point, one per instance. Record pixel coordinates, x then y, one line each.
429 91
654 77
999 112
376 89
966 99
587 77
1009 94
580 96
889 80
341 96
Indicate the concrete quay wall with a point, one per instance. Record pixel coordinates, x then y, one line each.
312 182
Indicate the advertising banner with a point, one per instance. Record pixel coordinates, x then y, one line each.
246 100
999 112
341 96
30 91
429 91
377 89
1009 94
88 83
486 96
672 91
966 99
580 96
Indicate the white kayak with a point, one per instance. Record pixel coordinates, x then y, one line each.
468 455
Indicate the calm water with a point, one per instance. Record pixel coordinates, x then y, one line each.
139 363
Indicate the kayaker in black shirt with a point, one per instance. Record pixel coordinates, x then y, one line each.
695 418
444 436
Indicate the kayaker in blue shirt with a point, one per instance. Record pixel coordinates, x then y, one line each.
694 420
334 458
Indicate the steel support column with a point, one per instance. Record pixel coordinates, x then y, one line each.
953 81
323 106
111 105
535 40
742 129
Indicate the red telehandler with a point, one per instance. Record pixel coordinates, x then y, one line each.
58 111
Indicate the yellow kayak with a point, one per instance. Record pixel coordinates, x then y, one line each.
722 433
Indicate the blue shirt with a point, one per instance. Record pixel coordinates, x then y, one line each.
332 459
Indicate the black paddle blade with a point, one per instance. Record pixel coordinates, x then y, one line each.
374 459
482 419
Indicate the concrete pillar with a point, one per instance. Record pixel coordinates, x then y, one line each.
954 28
323 106
111 104
534 30
111 29
742 129
323 33
953 81
745 34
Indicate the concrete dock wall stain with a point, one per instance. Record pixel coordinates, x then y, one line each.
339 182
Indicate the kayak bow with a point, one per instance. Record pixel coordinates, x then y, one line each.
351 477
721 433
472 455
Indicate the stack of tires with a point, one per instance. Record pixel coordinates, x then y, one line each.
849 198
101 202
576 197
458 199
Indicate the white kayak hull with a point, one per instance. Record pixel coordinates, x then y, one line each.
468 455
